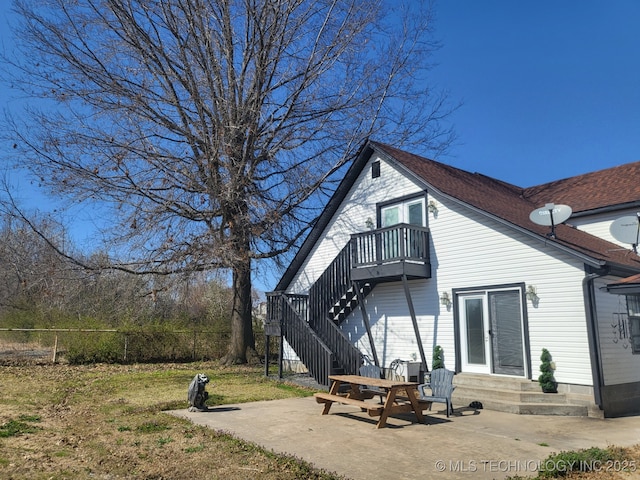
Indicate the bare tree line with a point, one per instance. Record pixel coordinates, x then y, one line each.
40 288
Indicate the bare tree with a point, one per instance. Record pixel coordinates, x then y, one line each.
31 272
212 127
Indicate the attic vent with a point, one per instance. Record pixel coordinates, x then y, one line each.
375 169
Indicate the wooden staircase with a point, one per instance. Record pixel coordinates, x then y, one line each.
347 303
522 396
310 322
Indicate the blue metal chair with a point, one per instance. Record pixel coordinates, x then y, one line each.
441 386
372 371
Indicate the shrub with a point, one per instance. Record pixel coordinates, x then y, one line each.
438 358
547 381
566 463
104 348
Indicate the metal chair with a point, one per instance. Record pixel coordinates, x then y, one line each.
372 371
441 386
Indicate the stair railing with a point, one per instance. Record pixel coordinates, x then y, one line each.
331 286
312 351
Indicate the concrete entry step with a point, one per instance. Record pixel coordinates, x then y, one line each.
523 396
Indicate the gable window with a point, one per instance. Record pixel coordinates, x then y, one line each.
409 211
633 310
375 169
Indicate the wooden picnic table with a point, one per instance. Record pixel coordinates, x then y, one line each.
391 390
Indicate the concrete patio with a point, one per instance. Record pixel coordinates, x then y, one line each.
470 444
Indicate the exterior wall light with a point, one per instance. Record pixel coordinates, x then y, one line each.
433 208
445 300
532 295
369 223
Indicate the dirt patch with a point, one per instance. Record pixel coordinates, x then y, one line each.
25 354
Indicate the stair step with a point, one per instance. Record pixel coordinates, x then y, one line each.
523 396
347 303
525 408
506 395
490 382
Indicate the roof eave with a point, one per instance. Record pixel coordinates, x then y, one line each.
624 289
594 262
607 209
327 214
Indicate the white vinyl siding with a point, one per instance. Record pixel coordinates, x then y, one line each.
468 250
474 251
599 225
392 327
358 207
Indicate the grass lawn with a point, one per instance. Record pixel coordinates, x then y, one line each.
107 422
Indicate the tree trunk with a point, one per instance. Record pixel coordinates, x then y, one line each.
242 343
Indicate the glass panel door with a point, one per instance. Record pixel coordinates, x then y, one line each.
474 338
411 212
391 216
397 243
415 213
491 332
391 245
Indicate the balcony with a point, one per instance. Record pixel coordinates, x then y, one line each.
388 254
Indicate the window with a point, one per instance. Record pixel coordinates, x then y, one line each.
633 309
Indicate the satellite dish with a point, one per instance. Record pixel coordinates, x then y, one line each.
550 215
627 230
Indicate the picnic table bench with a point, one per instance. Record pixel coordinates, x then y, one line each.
393 404
374 409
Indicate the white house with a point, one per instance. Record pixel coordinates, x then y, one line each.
410 253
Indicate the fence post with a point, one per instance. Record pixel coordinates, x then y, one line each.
55 349
126 345
195 337
266 354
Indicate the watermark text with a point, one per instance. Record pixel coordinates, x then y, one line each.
533 466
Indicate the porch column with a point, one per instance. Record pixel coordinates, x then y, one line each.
412 312
367 325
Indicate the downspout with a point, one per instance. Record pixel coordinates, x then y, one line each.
592 335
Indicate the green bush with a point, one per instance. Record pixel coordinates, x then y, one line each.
592 459
547 381
83 348
437 358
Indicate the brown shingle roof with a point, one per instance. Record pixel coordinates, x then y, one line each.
618 185
613 186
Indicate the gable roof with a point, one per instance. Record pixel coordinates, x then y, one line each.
506 203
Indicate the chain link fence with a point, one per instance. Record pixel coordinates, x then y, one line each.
111 345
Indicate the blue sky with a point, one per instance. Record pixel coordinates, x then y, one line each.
550 89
